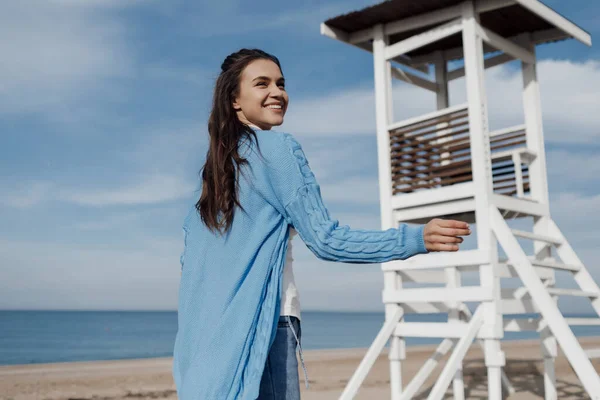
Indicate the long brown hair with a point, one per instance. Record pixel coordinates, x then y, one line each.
220 172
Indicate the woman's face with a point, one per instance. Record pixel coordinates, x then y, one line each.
262 100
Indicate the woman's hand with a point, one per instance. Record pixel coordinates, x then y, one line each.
444 234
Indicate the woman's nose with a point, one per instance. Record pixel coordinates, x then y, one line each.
277 92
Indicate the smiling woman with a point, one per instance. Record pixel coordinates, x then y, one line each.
239 310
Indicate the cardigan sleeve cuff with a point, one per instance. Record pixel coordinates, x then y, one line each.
413 239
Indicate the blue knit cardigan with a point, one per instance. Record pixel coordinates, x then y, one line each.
230 285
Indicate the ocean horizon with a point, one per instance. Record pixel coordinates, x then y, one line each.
32 337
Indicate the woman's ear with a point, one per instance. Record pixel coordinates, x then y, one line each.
236 105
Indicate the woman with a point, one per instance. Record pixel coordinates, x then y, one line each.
239 319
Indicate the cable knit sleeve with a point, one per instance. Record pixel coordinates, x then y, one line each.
299 194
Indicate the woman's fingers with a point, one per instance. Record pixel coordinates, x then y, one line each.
451 223
444 239
450 231
443 247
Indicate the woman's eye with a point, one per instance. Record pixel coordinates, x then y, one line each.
262 83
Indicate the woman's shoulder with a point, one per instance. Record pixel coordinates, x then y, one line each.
275 138
273 144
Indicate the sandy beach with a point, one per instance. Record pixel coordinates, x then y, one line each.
329 371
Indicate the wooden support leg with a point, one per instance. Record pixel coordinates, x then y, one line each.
549 353
494 361
453 281
396 355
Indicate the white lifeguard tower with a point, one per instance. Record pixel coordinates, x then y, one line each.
448 164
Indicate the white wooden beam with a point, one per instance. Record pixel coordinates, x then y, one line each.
439 195
423 276
424 308
457 52
413 79
510 129
537 237
436 260
583 321
423 39
433 295
418 214
505 45
488 63
557 20
431 329
519 205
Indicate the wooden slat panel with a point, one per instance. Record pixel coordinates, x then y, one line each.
431 151
457 167
431 148
437 152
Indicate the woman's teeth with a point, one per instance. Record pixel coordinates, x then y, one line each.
273 106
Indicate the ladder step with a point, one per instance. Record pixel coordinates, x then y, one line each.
547 264
509 271
583 321
536 237
592 353
572 292
555 265
431 329
437 295
523 293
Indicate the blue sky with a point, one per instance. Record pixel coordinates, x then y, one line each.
103 109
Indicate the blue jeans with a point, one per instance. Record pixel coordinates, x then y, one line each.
280 379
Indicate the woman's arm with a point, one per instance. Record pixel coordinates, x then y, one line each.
292 188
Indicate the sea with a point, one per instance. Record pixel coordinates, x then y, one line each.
29 337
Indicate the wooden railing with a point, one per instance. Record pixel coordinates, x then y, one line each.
435 151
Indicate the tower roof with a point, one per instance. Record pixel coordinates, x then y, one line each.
507 18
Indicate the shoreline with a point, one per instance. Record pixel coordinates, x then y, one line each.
328 372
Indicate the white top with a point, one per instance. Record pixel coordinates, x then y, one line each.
290 299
